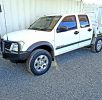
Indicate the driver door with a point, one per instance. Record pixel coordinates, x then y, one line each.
67 35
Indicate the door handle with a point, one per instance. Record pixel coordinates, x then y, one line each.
76 32
89 29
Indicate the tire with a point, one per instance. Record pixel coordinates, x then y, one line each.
97 47
39 62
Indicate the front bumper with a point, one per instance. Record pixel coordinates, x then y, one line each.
14 56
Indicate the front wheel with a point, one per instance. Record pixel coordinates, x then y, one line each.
39 62
97 47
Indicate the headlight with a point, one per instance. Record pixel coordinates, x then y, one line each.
15 46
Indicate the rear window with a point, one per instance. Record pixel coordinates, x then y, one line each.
84 21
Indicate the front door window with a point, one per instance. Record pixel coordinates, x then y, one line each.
68 23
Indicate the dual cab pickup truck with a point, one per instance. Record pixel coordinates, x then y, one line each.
48 37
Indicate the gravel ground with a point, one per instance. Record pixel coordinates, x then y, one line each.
78 76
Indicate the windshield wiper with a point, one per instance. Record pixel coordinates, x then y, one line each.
34 28
44 29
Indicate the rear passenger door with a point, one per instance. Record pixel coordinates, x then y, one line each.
67 36
85 31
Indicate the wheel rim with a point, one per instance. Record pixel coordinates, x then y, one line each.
41 63
99 45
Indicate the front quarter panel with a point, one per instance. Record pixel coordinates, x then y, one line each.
38 37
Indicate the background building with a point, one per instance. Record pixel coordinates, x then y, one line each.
19 14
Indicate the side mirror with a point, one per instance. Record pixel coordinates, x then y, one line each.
62 29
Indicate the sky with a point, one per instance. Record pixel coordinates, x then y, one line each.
93 1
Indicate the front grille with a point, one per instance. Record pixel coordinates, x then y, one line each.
2 48
7 45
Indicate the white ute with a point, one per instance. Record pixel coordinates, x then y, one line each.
48 37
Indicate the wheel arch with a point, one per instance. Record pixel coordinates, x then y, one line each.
42 45
94 38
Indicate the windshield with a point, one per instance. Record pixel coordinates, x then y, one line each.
45 23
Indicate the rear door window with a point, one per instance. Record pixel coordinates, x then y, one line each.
84 21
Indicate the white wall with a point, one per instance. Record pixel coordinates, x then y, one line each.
2 19
21 13
100 15
92 11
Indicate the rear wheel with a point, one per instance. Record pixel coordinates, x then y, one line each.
97 47
39 62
